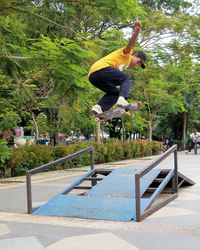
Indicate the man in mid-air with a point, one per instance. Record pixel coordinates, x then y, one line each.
107 73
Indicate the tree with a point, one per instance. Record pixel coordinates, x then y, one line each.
5 154
47 47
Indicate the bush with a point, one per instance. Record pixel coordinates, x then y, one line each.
145 148
29 157
127 149
157 147
100 152
5 154
135 148
179 144
82 160
60 151
114 151
64 150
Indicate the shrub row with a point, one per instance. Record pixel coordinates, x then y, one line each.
29 157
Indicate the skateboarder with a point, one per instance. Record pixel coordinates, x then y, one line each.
107 73
194 139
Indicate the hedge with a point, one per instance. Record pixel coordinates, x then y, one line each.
31 156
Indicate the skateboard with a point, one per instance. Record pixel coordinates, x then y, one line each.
118 112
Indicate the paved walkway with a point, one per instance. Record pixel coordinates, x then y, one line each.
176 226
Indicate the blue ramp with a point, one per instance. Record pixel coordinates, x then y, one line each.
121 183
116 209
113 198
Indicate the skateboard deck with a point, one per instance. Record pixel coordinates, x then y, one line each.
117 112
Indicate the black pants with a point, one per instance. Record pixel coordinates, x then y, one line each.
192 144
107 80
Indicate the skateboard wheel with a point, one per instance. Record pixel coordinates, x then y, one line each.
97 119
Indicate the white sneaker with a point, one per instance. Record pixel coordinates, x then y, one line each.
122 101
96 109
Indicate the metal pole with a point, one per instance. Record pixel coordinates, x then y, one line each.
175 171
123 130
92 159
93 182
137 197
51 165
29 193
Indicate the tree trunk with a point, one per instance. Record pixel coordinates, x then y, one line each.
97 132
184 129
36 126
150 130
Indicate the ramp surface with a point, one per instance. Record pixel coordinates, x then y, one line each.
113 198
121 183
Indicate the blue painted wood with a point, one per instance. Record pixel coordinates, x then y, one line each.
111 199
77 182
121 183
117 209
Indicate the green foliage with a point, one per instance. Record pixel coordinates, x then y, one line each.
8 120
62 151
46 53
127 149
169 6
114 151
65 62
29 157
42 123
136 123
100 152
135 148
156 147
5 152
77 118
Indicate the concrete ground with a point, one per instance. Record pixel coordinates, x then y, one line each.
176 226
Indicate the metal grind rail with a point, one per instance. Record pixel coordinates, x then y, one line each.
139 174
120 194
50 166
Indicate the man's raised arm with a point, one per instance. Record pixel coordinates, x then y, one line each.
132 41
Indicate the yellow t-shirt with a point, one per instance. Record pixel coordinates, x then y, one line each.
117 59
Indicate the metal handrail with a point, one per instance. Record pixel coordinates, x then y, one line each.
50 166
148 168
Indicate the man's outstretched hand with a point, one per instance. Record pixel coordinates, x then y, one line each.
131 43
137 26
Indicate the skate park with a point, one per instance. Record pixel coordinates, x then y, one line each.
71 181
175 224
123 194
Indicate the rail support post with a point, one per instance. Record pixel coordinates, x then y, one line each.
93 182
29 193
175 179
137 198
